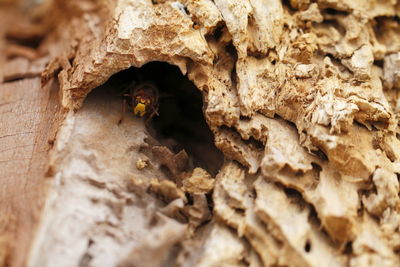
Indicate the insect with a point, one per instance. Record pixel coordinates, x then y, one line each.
143 99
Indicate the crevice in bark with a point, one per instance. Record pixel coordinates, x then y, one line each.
180 123
251 142
16 78
217 33
378 63
292 193
348 248
286 4
334 12
307 246
26 40
390 18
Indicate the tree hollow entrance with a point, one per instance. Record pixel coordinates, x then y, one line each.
180 122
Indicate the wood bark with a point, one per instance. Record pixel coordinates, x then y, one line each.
301 98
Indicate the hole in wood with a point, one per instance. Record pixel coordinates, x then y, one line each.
178 121
307 246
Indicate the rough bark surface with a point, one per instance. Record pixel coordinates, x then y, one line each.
301 97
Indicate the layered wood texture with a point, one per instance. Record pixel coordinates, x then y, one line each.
302 99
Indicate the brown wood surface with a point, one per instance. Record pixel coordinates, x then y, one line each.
28 114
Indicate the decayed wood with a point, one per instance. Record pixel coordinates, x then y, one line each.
302 99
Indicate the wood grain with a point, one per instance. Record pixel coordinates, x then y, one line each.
28 116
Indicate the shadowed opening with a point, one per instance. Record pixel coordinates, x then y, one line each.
180 123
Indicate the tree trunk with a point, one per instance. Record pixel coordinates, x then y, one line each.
270 135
